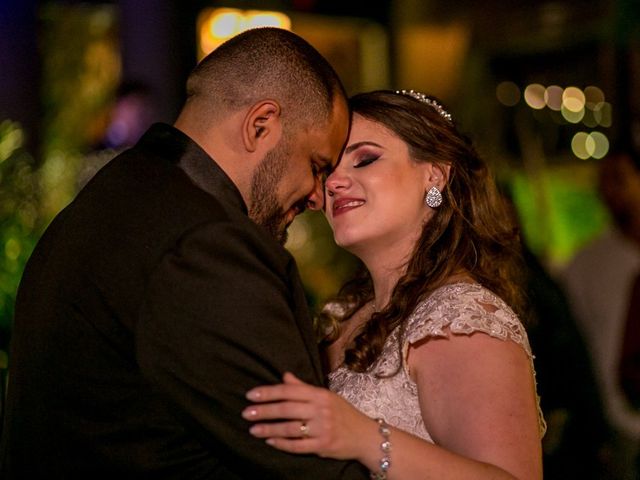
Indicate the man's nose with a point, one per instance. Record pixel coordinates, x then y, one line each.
315 200
336 181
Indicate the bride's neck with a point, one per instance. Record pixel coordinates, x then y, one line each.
384 279
385 268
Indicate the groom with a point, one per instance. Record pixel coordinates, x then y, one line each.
162 293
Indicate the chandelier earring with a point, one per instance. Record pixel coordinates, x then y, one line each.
433 198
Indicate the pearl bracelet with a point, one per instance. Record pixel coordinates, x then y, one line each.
385 446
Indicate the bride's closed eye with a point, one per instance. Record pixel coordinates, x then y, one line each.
365 160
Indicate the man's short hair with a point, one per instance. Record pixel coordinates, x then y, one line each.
266 63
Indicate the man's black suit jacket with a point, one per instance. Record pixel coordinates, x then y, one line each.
150 306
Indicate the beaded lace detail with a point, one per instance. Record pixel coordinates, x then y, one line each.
461 309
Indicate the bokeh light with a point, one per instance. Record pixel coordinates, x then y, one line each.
224 24
570 115
216 25
589 119
508 93
573 99
586 145
579 145
570 104
534 96
601 145
593 96
553 97
602 114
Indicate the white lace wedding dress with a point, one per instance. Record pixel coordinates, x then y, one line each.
460 309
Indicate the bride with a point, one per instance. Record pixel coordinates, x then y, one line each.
431 373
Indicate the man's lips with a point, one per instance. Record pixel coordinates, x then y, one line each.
290 215
344 204
296 209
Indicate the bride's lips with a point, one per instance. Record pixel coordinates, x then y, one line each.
344 204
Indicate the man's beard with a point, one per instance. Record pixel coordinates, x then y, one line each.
265 209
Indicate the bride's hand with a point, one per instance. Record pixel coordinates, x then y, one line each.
311 420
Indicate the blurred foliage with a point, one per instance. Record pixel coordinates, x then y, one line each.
323 266
81 71
20 219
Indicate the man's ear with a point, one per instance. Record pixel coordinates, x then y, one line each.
262 126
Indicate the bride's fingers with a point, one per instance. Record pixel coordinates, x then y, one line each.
278 410
292 429
282 391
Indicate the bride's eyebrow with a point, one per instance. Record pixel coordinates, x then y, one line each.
355 146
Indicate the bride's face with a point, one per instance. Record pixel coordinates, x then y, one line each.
375 195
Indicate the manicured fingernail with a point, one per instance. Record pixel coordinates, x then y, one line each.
255 430
270 441
254 395
249 412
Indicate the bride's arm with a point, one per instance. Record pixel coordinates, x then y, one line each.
476 397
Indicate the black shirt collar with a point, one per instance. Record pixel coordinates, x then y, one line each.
173 144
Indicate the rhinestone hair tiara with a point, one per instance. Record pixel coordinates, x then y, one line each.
421 97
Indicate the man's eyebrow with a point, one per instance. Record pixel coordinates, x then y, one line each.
355 146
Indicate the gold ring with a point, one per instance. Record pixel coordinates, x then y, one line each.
304 430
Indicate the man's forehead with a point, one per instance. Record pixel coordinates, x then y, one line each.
329 152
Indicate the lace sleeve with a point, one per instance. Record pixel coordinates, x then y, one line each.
463 309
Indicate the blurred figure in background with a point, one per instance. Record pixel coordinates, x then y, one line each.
130 115
600 283
576 438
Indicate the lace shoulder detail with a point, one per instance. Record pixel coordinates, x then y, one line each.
463 309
